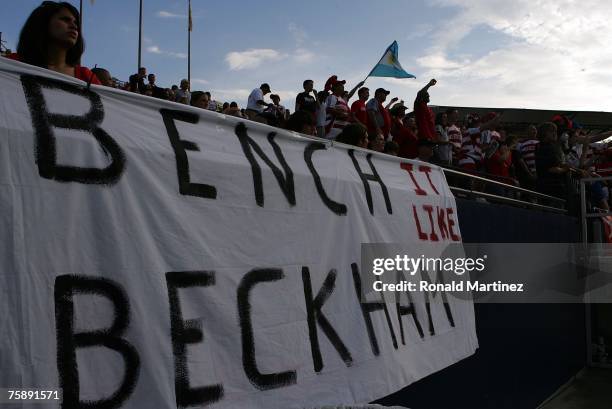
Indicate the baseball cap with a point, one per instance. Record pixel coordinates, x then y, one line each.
379 90
398 109
331 81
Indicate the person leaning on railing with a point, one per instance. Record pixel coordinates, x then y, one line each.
51 38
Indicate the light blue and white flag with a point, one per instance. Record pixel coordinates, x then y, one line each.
389 65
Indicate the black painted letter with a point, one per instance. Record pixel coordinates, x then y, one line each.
285 181
249 363
182 162
406 310
374 177
335 207
187 332
66 286
368 308
315 316
44 121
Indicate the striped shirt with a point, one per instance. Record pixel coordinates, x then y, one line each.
471 148
454 137
333 126
527 150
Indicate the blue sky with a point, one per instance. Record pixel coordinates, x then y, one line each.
523 54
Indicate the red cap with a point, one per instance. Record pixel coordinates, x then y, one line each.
331 81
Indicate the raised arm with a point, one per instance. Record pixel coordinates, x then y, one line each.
393 100
430 84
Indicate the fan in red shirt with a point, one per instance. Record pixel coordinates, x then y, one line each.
51 38
402 134
358 108
424 115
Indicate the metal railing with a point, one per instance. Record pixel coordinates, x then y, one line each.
557 205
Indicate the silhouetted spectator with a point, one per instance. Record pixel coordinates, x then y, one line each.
256 103
233 110
425 149
199 99
379 120
391 148
183 95
444 151
321 115
155 90
304 101
403 135
453 132
550 164
354 134
358 108
424 115
526 169
212 105
137 81
104 76
302 122
275 112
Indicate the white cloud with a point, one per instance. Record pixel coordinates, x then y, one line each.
299 34
438 61
168 14
253 58
154 49
302 55
555 58
235 94
199 81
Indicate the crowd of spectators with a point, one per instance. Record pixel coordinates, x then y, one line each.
540 158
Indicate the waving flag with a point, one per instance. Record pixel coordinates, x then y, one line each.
389 65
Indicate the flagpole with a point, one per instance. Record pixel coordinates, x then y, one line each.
80 22
189 47
140 38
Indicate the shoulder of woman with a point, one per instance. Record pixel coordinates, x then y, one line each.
13 56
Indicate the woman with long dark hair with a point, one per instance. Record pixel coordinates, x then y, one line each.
51 38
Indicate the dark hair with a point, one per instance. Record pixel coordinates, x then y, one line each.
195 95
299 120
208 93
544 128
439 117
264 85
306 82
362 89
233 104
352 134
391 146
322 95
34 37
99 71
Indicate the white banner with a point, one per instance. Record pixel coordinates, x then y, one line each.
157 255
